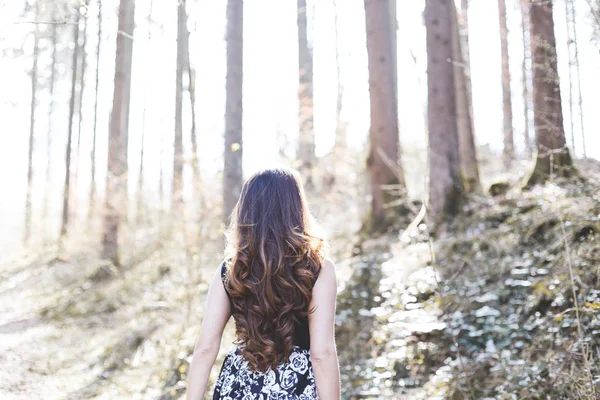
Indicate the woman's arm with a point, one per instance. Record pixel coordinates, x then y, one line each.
322 334
216 314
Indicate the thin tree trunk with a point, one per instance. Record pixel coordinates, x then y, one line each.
194 133
116 182
570 69
509 147
576 60
445 183
548 117
383 132
178 142
34 86
83 54
306 144
49 134
140 183
93 153
233 152
466 139
340 127
525 79
67 187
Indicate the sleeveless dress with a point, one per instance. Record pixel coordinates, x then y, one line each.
292 380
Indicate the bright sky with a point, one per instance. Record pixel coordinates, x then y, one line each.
270 84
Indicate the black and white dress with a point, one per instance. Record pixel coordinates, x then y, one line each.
292 380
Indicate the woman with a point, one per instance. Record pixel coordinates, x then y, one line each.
281 292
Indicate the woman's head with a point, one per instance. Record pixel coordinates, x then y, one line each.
275 260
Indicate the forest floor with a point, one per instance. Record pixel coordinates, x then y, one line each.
492 318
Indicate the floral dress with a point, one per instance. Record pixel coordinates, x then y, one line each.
292 380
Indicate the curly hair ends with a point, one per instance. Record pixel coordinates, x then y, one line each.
274 263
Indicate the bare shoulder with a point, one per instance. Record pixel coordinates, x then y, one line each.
327 279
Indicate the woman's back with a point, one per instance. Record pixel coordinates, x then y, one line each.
280 290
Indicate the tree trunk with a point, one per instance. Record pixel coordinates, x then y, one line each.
509 147
92 202
571 21
47 190
116 181
67 187
80 105
383 132
140 183
445 183
232 171
306 143
466 137
194 133
464 13
182 62
340 127
34 86
525 79
547 111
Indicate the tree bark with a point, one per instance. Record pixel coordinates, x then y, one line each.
547 111
233 152
67 186
116 181
34 86
140 183
464 13
579 96
182 62
92 202
47 190
445 183
525 78
466 137
383 132
340 127
509 147
306 138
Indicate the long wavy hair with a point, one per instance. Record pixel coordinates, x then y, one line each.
273 263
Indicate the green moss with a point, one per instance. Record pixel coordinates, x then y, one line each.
559 164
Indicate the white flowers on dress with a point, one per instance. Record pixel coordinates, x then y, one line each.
291 380
299 362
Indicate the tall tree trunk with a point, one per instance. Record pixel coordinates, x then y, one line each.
49 131
34 86
232 171
571 21
67 186
509 147
182 34
92 203
570 70
547 111
194 133
116 182
80 102
140 183
306 144
445 183
340 127
464 24
466 138
525 78
383 133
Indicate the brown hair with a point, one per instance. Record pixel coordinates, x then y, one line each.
275 262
